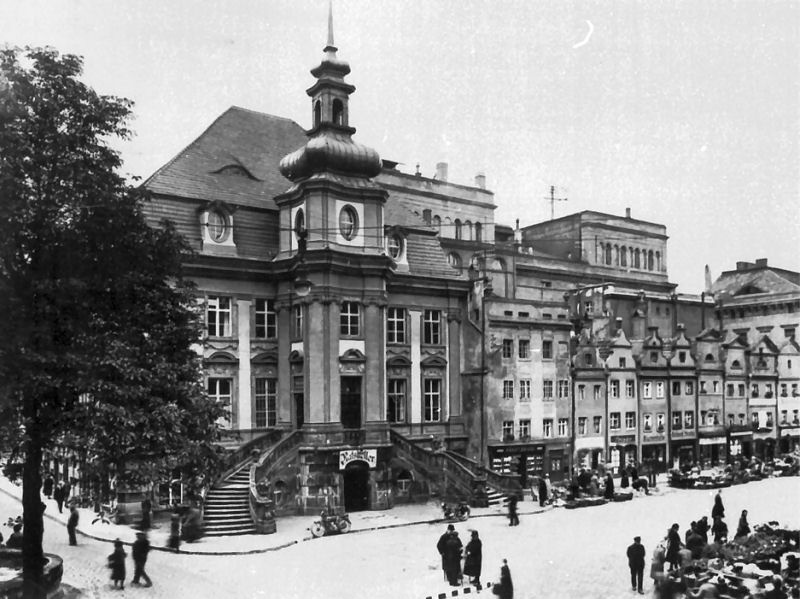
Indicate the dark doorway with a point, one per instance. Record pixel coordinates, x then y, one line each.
351 402
299 401
356 487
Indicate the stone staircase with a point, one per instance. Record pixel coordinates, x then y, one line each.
497 498
227 506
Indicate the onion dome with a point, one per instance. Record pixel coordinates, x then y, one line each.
330 145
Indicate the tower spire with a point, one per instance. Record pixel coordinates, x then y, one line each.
330 26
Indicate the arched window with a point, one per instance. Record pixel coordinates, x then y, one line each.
447 226
457 225
636 256
338 112
467 230
454 260
650 260
317 113
623 256
616 255
437 222
658 261
478 232
608 254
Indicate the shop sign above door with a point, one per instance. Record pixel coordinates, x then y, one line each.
370 456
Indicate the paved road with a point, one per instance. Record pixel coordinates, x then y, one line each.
553 555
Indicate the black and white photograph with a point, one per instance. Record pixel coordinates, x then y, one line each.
414 299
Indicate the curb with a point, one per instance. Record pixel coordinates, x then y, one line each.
466 590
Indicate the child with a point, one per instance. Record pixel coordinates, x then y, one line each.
116 561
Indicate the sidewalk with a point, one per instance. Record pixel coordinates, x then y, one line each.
291 529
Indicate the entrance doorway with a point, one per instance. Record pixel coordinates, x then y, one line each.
356 487
351 402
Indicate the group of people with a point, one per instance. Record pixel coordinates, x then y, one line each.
116 562
59 491
593 483
452 551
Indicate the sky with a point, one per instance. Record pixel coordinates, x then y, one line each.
685 112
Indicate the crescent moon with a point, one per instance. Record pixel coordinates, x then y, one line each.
588 35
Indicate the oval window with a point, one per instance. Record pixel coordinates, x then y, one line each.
348 222
394 245
216 226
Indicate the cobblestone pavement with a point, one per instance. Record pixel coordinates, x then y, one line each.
552 555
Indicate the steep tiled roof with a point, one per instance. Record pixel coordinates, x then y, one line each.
733 284
426 258
235 160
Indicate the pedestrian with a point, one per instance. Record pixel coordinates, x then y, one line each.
175 531
513 518
720 530
72 524
636 564
504 589
441 545
673 547
692 526
624 482
452 559
702 529
694 543
48 485
744 528
15 540
634 473
58 495
542 491
608 493
116 561
473 558
147 506
657 566
718 510
139 551
67 490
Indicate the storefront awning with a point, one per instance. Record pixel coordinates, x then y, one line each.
712 440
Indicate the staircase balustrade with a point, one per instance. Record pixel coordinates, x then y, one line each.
507 483
262 508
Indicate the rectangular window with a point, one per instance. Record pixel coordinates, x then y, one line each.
396 400
598 392
582 425
432 327
660 419
659 389
703 387
547 389
715 386
754 416
754 390
219 389
433 400
784 390
218 316
563 427
676 388
547 427
266 319
741 390
508 348
613 421
647 422
630 420
623 363
581 391
729 390
396 325
350 319
508 389
630 387
677 420
547 349
524 349
689 388
563 389
614 388
298 322
266 397
508 429
597 425
647 390
731 419
524 428
688 419
525 389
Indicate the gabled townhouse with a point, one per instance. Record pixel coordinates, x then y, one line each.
740 431
711 437
623 404
682 390
654 402
789 395
763 377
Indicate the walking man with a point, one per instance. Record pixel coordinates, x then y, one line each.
72 524
58 495
141 547
636 564
512 511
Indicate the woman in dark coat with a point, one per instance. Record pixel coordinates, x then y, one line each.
624 482
673 547
116 561
505 588
452 559
609 490
473 557
542 491
718 511
744 528
720 531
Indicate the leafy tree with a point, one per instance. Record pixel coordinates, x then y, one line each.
97 349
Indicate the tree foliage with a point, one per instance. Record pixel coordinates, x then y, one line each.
97 349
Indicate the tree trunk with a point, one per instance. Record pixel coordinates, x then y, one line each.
33 526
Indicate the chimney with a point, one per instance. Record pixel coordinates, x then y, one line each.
761 262
743 265
627 212
480 181
441 172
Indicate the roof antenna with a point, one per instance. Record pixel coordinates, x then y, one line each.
553 199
